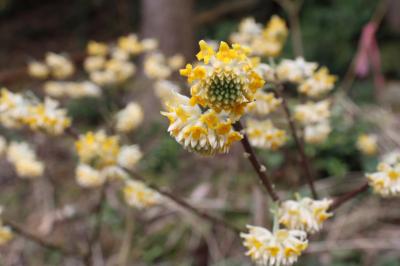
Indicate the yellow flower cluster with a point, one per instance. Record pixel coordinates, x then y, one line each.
55 65
132 45
226 81
367 144
281 247
386 181
17 110
263 134
157 66
101 157
264 104
138 195
318 84
205 132
267 41
304 214
129 118
5 232
71 89
110 65
314 116
24 159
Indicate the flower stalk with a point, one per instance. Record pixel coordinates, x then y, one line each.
299 144
260 169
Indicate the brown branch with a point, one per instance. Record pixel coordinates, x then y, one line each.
299 144
20 230
348 196
260 169
184 204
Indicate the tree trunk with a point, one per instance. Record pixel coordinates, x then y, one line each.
171 23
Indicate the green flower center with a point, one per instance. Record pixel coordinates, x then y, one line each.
224 90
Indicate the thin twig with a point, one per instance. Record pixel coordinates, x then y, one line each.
299 144
94 236
292 8
349 195
20 230
260 169
184 204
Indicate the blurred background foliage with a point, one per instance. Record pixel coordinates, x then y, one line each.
330 32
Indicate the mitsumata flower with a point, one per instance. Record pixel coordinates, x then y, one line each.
279 248
5 232
101 158
129 118
17 111
226 81
318 84
317 133
295 71
98 149
138 195
264 104
72 89
263 134
266 41
367 144
205 132
23 157
386 181
304 214
312 112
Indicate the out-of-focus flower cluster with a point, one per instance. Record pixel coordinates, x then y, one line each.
102 159
71 89
386 180
55 66
17 110
263 41
263 134
367 144
158 66
314 117
5 232
24 159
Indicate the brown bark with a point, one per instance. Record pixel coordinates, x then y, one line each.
171 22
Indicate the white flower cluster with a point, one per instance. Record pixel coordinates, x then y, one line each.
24 159
263 134
129 118
55 65
304 214
72 89
17 111
314 116
138 195
279 248
157 66
386 180
311 82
